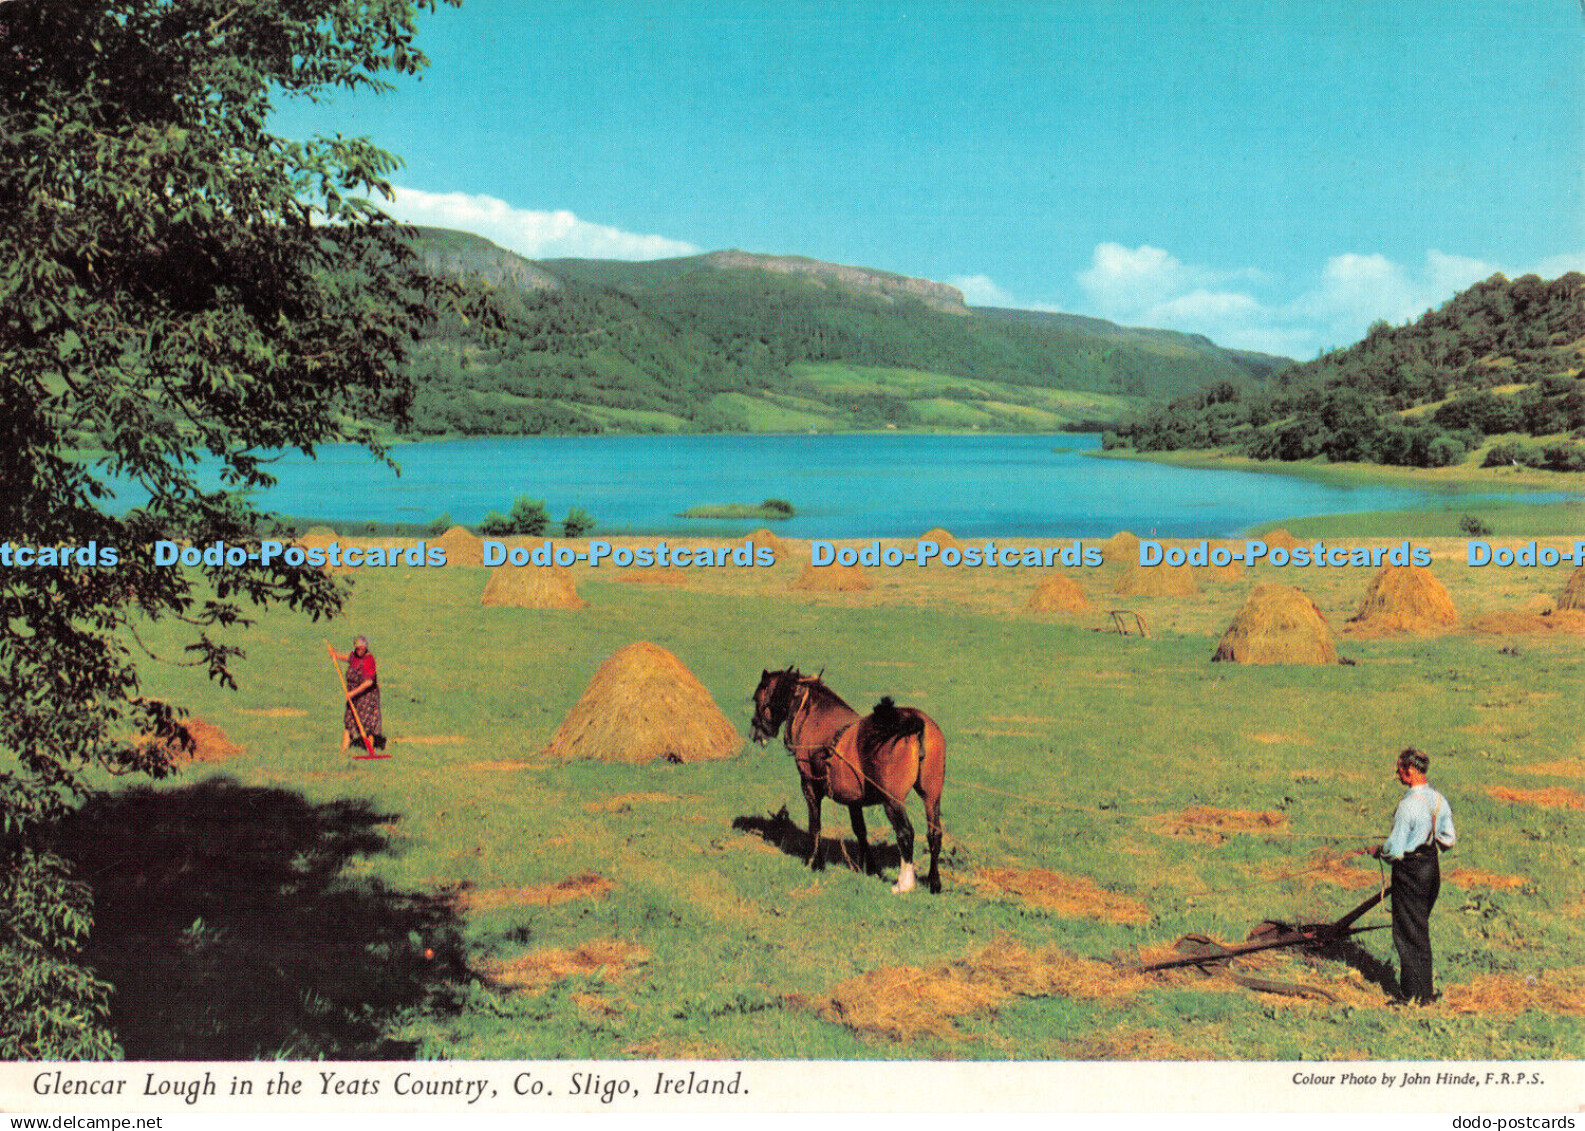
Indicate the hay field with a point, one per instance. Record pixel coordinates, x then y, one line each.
475 897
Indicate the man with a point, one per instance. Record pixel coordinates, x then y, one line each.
1422 828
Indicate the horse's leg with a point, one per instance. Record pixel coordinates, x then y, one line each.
930 783
863 835
813 795
933 836
897 813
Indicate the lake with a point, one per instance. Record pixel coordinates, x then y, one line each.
843 485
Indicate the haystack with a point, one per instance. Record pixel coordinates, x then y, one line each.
322 538
1121 549
939 536
1277 625
1402 599
766 537
209 744
1058 595
1232 571
1156 581
462 546
1573 595
644 706
832 579
1280 539
531 587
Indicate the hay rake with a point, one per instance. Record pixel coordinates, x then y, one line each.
1120 623
1206 953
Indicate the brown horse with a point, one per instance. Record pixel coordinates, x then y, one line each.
858 761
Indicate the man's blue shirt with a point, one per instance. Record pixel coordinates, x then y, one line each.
1422 814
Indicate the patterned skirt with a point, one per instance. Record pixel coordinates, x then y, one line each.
368 708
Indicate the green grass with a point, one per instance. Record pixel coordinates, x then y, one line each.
1065 746
1462 478
946 401
1505 519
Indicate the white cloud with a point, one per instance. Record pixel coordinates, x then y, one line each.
981 290
1356 290
1121 279
538 235
1148 286
1559 265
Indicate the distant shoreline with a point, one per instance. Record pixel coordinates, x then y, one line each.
1454 480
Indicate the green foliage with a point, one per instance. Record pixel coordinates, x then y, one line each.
55 1009
496 525
1502 357
528 517
174 280
441 524
577 523
588 346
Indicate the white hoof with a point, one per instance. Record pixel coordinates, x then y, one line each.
905 880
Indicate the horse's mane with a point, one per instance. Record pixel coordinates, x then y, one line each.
818 687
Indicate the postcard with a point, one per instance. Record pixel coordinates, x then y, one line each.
773 558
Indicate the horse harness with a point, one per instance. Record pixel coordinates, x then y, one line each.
817 755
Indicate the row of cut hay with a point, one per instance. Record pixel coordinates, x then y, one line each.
1074 897
1278 624
605 959
1516 622
205 743
1567 617
908 1002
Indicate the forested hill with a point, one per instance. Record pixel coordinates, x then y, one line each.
1493 377
732 341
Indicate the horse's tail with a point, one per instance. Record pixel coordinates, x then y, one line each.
888 722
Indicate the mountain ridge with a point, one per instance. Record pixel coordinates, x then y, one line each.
739 341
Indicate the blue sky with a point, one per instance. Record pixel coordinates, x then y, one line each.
1275 175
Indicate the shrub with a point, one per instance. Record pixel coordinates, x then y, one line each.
577 523
529 516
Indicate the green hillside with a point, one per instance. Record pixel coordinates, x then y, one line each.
1492 377
738 342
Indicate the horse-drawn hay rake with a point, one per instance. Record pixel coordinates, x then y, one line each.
1210 956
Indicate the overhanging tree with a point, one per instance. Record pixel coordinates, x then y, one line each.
176 283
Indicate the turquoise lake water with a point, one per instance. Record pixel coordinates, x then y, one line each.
843 486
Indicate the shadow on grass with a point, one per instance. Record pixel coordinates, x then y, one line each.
780 830
1374 970
227 921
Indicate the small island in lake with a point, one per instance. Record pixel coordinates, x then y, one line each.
771 510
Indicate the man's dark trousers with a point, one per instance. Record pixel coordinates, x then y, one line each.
1416 880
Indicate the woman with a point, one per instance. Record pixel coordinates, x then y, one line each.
363 695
